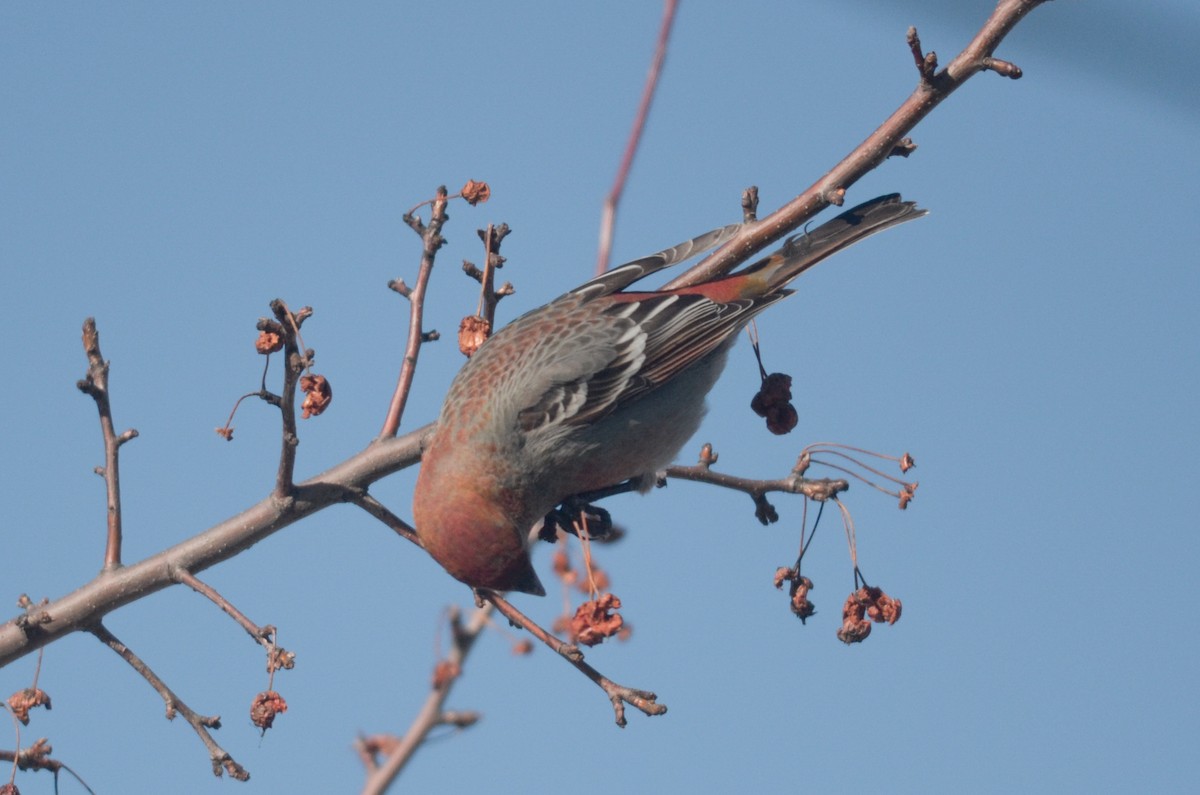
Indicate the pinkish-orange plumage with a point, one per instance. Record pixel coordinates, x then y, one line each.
592 389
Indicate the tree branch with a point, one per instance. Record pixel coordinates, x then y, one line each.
221 760
95 384
277 656
608 218
432 240
431 714
294 363
47 622
888 139
619 695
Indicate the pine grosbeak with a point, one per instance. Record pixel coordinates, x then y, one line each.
596 387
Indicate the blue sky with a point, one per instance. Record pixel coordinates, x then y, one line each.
1034 343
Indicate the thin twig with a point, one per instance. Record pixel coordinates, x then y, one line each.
431 715
858 475
16 754
264 635
618 695
819 489
294 363
37 757
432 240
489 296
221 760
608 217
377 509
95 384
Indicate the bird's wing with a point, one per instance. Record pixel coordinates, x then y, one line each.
634 345
591 361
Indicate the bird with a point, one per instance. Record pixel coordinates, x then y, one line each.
602 385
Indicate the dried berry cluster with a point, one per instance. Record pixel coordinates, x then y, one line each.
774 402
595 619
866 603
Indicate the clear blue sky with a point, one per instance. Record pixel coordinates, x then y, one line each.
1034 342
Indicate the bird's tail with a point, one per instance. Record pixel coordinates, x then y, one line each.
803 251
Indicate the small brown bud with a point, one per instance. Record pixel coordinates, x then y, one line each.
280 657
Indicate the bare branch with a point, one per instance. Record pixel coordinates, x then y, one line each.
277 657
293 365
608 218
431 714
432 240
221 760
878 146
37 757
619 695
44 623
489 297
819 489
474 330
95 383
380 511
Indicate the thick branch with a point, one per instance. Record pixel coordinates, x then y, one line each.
879 145
110 590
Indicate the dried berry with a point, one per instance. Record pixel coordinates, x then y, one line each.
265 707
268 342
773 401
318 394
593 622
473 331
476 192
22 701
